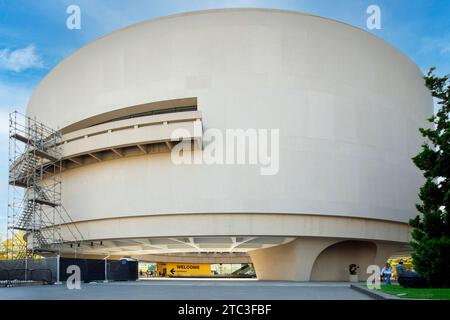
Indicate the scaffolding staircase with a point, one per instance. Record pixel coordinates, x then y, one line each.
35 211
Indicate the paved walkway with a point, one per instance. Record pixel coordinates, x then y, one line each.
189 290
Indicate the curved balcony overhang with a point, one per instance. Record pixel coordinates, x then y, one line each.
131 137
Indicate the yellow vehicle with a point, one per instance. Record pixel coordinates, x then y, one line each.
407 262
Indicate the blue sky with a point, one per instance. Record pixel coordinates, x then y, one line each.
34 38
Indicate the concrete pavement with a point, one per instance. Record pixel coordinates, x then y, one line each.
189 290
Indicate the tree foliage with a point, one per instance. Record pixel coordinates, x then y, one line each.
9 248
431 234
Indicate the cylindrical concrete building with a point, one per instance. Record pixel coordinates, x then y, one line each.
347 107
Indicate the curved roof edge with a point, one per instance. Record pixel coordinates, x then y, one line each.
238 9
218 10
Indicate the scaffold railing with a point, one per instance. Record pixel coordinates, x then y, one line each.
35 210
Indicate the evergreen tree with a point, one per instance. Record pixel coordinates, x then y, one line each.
431 234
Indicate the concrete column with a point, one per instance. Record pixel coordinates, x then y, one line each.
384 251
292 261
333 263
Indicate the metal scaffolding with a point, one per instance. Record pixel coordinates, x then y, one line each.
35 211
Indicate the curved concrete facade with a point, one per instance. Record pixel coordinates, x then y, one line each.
347 106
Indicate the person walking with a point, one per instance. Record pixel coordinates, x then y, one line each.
387 273
400 268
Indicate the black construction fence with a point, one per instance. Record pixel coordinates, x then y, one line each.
94 269
45 270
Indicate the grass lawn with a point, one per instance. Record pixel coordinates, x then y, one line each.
416 293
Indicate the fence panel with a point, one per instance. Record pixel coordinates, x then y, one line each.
43 269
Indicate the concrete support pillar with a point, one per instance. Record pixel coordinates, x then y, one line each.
333 263
320 259
384 251
292 261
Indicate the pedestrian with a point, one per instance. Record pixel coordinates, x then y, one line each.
387 273
400 268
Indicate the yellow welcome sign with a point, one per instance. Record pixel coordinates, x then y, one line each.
188 269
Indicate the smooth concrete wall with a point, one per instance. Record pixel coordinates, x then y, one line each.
347 104
291 262
196 258
333 263
193 258
320 259
241 224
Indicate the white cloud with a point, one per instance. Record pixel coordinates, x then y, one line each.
435 45
445 48
20 59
